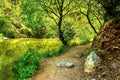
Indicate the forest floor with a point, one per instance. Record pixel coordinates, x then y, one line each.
77 55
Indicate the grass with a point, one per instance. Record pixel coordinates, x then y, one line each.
11 50
74 42
28 64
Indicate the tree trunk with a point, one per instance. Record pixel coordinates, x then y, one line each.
60 32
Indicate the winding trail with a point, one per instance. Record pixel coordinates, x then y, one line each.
75 54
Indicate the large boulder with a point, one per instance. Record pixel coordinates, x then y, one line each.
91 62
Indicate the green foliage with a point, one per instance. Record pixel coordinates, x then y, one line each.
97 47
5 27
27 32
27 64
89 51
39 32
74 42
52 53
12 49
32 15
85 42
7 71
112 8
62 49
1 36
68 31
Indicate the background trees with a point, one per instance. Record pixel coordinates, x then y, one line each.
111 7
66 19
58 10
32 15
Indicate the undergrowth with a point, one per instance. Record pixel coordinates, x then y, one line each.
26 65
29 63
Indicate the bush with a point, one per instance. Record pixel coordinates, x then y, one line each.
27 32
89 51
39 31
85 42
5 27
1 36
27 65
74 42
62 49
68 31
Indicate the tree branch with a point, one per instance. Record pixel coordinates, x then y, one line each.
88 11
97 19
48 9
53 19
68 4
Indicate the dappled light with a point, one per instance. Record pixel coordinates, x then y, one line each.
59 39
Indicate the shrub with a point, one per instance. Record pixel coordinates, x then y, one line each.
29 63
62 49
68 31
89 51
39 31
27 32
85 42
74 42
26 65
5 27
1 36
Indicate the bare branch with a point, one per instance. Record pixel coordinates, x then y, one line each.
88 11
66 13
52 11
53 19
57 6
83 13
97 19
68 4
58 2
62 4
48 9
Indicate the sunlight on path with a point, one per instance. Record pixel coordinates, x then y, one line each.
49 70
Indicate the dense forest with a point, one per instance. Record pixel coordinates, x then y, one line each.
50 19
45 28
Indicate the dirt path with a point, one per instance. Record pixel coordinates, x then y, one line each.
51 72
108 70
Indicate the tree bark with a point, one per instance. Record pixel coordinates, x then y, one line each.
60 32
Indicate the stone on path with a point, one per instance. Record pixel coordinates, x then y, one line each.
65 64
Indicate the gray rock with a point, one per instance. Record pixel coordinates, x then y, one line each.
91 62
65 64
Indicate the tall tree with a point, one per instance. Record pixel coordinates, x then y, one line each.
32 15
57 10
93 12
111 7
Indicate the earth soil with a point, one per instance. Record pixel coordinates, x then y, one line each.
107 70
